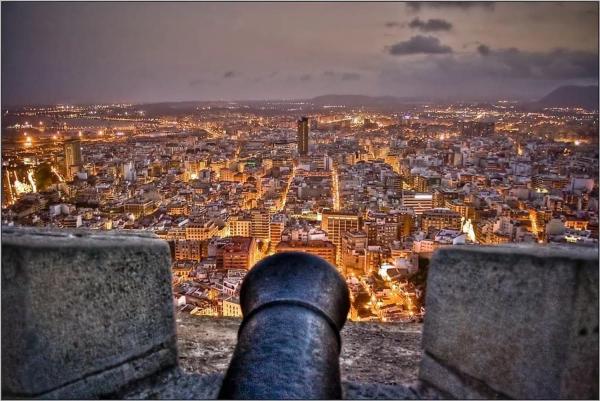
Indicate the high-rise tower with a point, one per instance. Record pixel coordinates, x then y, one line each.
303 136
72 156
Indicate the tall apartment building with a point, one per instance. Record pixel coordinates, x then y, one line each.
439 218
260 224
239 226
418 201
354 248
277 226
201 230
73 159
190 249
139 207
424 183
233 252
303 136
335 224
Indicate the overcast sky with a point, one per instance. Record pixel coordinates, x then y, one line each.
147 52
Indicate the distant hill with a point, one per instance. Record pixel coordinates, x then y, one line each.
572 96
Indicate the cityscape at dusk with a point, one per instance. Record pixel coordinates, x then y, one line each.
370 135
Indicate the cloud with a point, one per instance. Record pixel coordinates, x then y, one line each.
343 76
305 77
512 63
419 45
229 74
484 50
504 72
431 25
464 5
391 24
555 64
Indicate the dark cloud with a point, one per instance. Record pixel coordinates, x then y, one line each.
196 82
305 77
555 64
484 50
418 5
515 64
419 45
343 76
229 74
391 24
504 72
431 25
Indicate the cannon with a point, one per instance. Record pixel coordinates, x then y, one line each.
294 305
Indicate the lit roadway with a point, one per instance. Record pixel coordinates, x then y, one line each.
399 297
287 188
60 178
336 190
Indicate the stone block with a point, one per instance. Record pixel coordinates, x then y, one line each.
512 321
83 312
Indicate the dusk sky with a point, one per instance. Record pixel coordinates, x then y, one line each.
149 52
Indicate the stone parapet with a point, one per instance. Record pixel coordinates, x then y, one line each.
512 321
83 312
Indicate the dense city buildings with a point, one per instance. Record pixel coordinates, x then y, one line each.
229 183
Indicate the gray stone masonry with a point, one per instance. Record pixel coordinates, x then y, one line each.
512 321
83 312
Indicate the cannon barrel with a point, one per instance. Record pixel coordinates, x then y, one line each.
294 305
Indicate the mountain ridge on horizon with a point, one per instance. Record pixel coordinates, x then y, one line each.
572 96
577 96
585 96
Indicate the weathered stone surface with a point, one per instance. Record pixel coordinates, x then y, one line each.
175 384
83 312
377 353
179 385
378 361
521 321
205 344
455 384
381 353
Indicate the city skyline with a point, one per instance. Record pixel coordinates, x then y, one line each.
154 52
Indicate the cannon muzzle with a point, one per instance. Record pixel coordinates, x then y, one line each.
294 305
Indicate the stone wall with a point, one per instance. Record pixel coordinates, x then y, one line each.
89 314
512 321
83 312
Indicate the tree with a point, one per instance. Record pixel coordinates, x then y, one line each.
44 177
